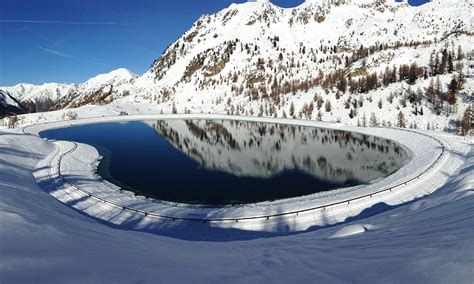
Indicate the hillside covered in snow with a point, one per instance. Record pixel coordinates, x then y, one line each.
357 62
9 105
333 60
51 96
326 60
427 240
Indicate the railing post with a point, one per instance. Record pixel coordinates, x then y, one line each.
236 220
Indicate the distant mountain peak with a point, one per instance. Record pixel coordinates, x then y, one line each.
256 58
121 74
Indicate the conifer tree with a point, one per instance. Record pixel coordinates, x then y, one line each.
174 110
453 88
327 106
436 65
450 63
460 53
444 61
373 120
467 121
401 120
439 89
432 64
430 92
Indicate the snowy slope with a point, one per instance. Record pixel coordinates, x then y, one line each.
347 25
248 58
29 92
228 61
101 89
429 240
426 241
70 95
79 167
9 105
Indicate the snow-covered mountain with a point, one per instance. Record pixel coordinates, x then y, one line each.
99 89
313 34
9 105
334 60
38 98
256 58
30 92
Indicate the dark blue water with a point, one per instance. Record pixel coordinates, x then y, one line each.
224 162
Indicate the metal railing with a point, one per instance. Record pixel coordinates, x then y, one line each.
237 219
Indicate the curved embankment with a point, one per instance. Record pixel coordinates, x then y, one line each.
69 174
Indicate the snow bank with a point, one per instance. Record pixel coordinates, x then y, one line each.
42 240
351 230
107 202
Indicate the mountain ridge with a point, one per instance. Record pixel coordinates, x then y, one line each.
48 96
256 58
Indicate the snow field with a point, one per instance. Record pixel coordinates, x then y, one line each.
428 240
78 168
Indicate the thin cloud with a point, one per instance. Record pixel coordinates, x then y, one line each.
66 55
69 23
56 52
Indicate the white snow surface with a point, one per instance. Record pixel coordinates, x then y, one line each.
346 24
314 25
414 237
79 168
6 100
351 230
57 91
42 240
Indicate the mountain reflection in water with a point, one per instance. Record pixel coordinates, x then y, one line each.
262 150
215 162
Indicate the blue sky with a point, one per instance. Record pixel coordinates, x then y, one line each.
73 40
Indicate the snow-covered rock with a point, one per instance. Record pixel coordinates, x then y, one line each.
10 105
101 89
66 95
30 92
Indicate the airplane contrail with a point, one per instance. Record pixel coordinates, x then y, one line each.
59 53
65 55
